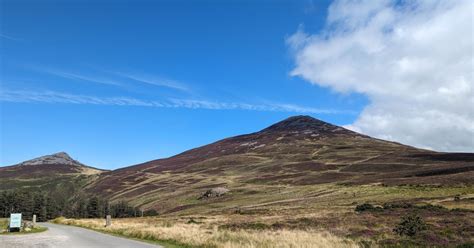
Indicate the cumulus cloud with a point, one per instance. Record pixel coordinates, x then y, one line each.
412 59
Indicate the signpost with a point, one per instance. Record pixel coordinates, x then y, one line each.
15 222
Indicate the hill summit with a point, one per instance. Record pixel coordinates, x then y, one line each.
60 158
308 124
50 171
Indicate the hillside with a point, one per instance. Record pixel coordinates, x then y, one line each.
300 177
293 160
47 173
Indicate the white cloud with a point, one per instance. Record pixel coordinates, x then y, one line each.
414 61
59 97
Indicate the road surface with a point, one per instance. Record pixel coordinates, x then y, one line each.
61 236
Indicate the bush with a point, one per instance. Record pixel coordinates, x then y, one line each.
466 245
397 205
366 207
150 212
410 225
432 207
193 221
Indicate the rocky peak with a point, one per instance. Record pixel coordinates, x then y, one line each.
56 158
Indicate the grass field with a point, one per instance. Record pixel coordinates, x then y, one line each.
309 216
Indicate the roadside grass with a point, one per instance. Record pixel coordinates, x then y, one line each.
181 234
4 226
120 233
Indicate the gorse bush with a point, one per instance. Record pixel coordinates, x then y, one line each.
410 225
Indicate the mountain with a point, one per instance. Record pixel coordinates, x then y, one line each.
293 154
45 172
60 158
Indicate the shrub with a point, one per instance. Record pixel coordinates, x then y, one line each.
397 205
366 207
150 212
432 207
193 221
410 225
466 245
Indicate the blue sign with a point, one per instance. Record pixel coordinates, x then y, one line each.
15 220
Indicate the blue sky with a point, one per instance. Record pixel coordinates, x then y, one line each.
78 76
115 83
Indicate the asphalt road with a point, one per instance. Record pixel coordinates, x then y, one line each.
61 236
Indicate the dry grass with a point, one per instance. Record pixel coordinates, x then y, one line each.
206 235
302 216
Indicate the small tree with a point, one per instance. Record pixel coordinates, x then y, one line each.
410 225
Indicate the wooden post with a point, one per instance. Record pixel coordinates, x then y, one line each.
108 220
34 219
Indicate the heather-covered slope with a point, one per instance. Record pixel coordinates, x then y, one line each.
46 172
297 175
293 154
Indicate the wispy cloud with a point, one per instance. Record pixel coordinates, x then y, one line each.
154 80
8 37
80 77
58 97
117 78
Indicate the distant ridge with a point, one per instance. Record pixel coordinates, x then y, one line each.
45 170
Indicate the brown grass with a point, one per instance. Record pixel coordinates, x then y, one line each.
203 234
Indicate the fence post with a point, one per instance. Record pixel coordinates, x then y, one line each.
108 220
